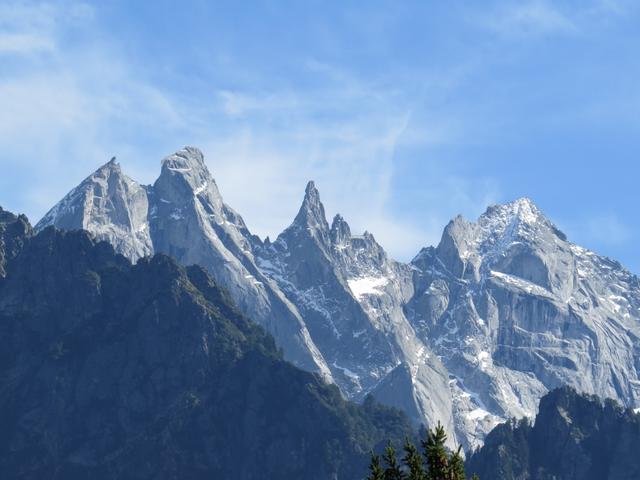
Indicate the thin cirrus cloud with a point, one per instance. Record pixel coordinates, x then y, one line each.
35 27
79 104
543 17
67 108
19 43
284 144
528 17
344 136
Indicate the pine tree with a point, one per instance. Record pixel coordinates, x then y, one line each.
375 470
441 464
392 470
436 454
456 466
413 461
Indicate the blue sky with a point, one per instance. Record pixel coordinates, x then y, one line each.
404 113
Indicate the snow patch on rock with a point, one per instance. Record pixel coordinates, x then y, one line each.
362 286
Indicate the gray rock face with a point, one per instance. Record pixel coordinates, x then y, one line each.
514 310
111 206
351 296
470 333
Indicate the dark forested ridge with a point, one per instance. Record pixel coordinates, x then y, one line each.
109 370
575 437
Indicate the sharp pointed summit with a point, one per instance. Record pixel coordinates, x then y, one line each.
311 213
112 167
520 216
523 210
311 191
111 206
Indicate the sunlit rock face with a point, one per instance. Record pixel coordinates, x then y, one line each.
110 205
351 296
513 310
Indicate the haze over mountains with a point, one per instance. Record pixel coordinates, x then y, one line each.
469 333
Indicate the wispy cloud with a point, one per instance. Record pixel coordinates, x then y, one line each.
535 18
530 17
346 137
22 43
73 96
73 109
35 27
67 108
343 137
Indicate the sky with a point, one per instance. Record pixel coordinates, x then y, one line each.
404 113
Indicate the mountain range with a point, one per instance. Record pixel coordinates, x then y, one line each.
470 333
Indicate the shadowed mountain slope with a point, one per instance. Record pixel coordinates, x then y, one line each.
575 437
109 370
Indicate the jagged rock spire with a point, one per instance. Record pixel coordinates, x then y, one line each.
111 206
76 206
111 167
311 213
340 231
